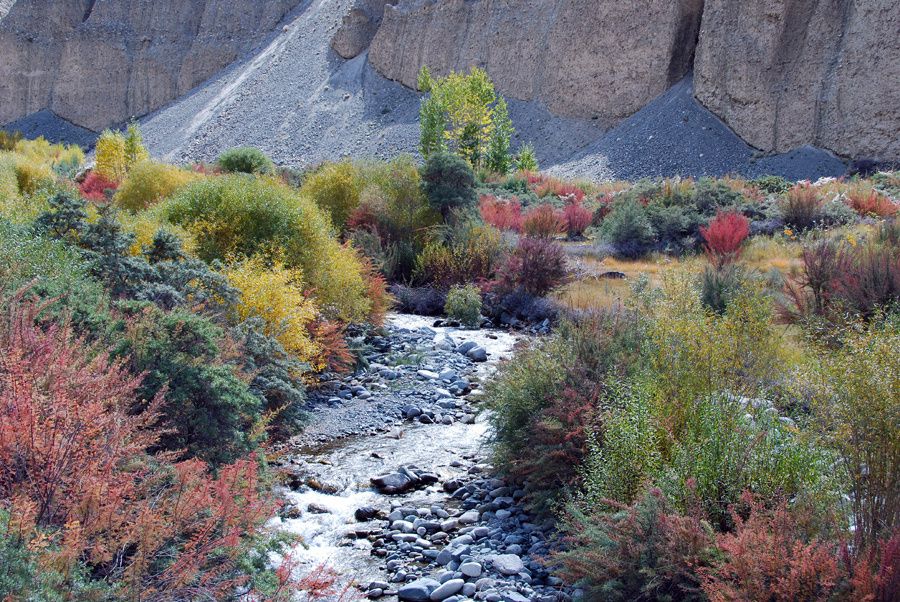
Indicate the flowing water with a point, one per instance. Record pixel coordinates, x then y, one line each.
346 465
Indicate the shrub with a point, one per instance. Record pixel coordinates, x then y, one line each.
425 301
63 159
449 183
729 447
209 412
469 253
8 140
116 153
148 183
856 391
96 188
335 187
502 214
768 557
801 206
646 551
543 222
32 176
724 237
719 285
245 159
526 160
238 216
867 201
577 218
627 229
771 184
275 294
536 266
711 196
464 304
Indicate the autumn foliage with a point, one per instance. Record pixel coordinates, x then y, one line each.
543 222
724 237
94 187
81 487
502 214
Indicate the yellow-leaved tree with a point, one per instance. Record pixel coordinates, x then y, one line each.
274 293
116 153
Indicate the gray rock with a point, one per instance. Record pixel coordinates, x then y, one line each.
508 564
447 589
470 569
428 374
418 590
477 354
392 483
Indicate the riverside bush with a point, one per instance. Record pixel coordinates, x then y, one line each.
241 216
149 182
627 229
449 183
536 266
801 206
543 222
335 187
464 304
245 159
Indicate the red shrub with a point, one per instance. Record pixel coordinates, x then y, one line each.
363 218
377 293
724 236
577 218
801 206
502 214
768 558
95 187
536 265
550 186
875 574
76 477
543 222
646 551
868 202
604 206
336 353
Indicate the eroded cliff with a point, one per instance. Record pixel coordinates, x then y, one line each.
99 62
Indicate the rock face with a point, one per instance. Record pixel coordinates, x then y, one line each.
358 28
788 72
99 62
781 73
603 59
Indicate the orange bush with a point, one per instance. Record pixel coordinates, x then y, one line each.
867 201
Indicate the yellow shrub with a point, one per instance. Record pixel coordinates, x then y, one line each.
112 163
275 294
61 157
240 215
335 187
31 176
146 224
149 182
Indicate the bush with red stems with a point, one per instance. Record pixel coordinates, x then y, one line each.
500 213
724 237
543 222
96 188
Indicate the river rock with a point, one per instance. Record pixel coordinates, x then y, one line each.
391 484
477 354
470 569
365 513
508 564
418 590
447 589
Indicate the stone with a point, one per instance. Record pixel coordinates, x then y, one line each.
393 483
465 347
447 589
428 374
418 590
315 508
477 354
507 564
470 569
467 518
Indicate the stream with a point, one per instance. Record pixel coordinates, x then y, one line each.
440 525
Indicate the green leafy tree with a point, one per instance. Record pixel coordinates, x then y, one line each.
527 159
464 115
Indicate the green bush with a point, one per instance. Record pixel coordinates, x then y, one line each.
208 411
526 160
771 184
449 183
627 229
240 216
730 447
335 187
719 285
464 304
245 160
